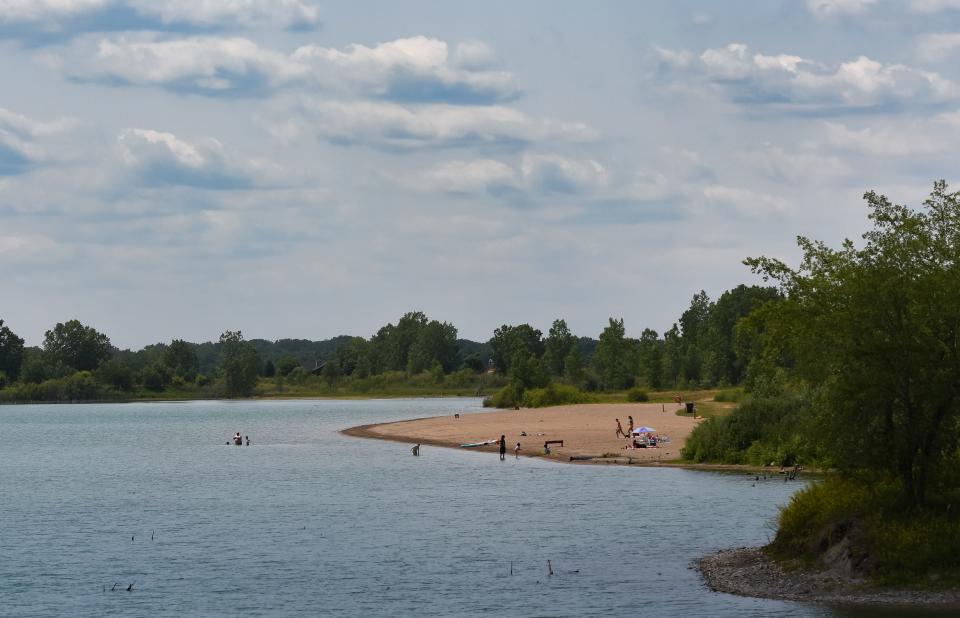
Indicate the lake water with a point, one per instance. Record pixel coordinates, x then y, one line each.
309 522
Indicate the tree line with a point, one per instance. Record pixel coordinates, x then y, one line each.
705 348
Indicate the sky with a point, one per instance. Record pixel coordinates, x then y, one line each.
304 169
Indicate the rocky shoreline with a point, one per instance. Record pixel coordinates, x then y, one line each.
750 572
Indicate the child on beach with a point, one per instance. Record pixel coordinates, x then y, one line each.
516 451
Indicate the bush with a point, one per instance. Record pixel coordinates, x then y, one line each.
554 395
759 432
730 395
507 397
637 395
886 541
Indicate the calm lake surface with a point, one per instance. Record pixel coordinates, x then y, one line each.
309 522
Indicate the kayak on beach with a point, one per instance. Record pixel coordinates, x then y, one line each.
473 444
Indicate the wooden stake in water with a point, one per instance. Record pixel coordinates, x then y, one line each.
511 567
549 568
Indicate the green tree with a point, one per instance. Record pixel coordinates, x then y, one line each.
874 332
615 358
270 370
509 341
436 341
75 347
116 373
693 332
573 372
557 347
239 364
650 358
11 353
286 364
671 357
473 362
181 359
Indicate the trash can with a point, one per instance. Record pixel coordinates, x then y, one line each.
689 407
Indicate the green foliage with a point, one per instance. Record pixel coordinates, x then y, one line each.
730 395
759 432
116 374
239 364
73 346
554 395
11 353
885 538
637 395
557 348
875 331
155 377
510 342
616 357
286 364
181 360
269 369
510 396
473 362
35 368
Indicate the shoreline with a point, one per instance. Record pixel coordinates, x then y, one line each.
424 430
749 572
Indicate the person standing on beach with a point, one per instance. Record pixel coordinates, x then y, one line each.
630 422
620 433
516 450
503 447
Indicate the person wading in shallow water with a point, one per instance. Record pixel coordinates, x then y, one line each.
503 447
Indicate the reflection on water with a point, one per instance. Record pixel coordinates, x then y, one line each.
309 522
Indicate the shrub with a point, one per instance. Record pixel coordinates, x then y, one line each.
554 395
637 395
730 395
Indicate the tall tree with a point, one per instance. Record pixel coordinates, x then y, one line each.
615 358
239 364
874 332
181 359
508 341
75 347
557 347
11 352
650 358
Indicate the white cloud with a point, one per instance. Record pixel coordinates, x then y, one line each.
792 80
155 158
469 177
390 125
53 20
923 138
934 6
939 46
745 202
200 64
551 173
832 8
411 69
795 167
416 68
20 136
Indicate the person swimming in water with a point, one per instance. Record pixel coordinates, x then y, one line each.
238 439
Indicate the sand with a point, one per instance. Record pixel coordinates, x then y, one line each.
588 430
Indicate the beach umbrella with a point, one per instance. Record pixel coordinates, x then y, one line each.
643 429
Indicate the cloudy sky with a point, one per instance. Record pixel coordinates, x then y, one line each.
300 169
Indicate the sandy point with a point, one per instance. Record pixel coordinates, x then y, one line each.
587 430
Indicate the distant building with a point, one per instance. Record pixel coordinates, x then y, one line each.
491 368
318 369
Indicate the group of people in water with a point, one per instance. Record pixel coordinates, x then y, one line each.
238 439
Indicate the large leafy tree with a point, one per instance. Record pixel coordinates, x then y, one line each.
875 333
181 359
11 352
73 346
239 363
560 341
615 359
509 341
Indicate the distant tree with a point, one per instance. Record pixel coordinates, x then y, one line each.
693 332
156 376
35 368
557 347
509 341
573 372
720 361
650 358
331 372
269 370
11 353
671 357
615 358
436 341
286 364
181 359
239 364
76 347
473 362
115 373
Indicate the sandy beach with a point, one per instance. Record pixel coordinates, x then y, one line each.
587 430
